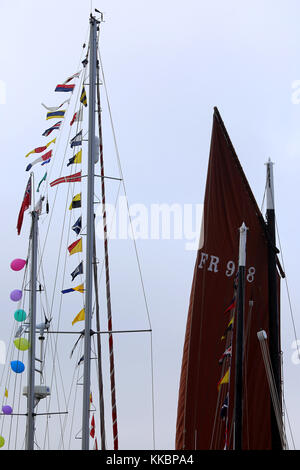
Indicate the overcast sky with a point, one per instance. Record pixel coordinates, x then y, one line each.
167 64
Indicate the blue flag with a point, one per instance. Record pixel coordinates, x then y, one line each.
77 140
78 270
77 226
53 128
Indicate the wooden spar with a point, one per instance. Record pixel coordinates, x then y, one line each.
106 261
99 353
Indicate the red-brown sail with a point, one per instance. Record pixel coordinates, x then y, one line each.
228 203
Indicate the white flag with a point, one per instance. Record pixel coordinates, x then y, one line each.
55 108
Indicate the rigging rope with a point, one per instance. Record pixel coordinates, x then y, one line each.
134 243
108 294
262 337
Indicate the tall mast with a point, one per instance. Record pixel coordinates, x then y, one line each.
238 398
89 236
274 330
32 327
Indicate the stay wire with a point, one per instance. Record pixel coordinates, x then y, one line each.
134 242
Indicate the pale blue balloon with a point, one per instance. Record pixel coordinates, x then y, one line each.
17 366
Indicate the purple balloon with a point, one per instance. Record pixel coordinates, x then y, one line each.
17 264
16 295
7 410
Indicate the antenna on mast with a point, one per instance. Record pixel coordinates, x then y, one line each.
101 19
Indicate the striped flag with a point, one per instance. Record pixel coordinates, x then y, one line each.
53 128
77 140
65 88
67 179
55 114
44 158
83 98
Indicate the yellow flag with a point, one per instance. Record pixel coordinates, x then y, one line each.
79 288
78 157
41 149
76 202
6 393
83 98
75 247
224 380
79 317
228 327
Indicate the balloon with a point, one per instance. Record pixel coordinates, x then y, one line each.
2 441
16 295
17 366
22 344
20 315
17 264
7 410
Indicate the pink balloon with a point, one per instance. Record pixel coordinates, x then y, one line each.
16 295
17 264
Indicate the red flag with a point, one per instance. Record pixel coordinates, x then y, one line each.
77 117
73 119
96 444
67 179
92 431
231 306
39 149
25 205
75 247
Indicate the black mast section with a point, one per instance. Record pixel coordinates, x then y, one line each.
274 326
238 395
